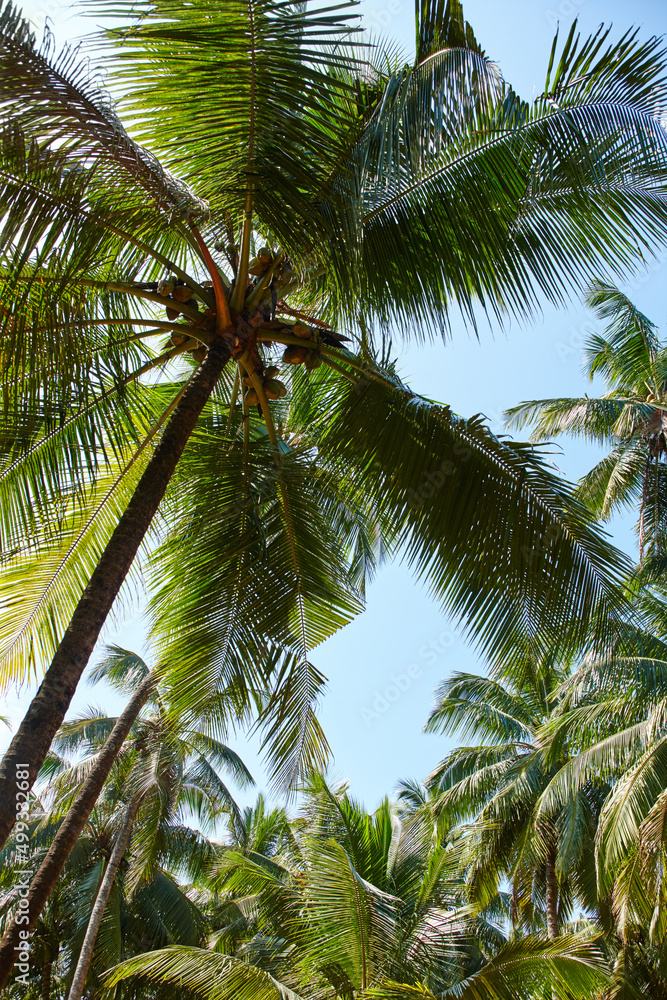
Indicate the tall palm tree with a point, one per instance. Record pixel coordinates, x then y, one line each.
614 719
496 786
166 772
162 910
173 741
366 907
385 194
630 417
614 723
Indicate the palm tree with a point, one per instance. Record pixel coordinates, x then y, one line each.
172 741
548 855
614 719
166 772
629 417
364 907
350 169
614 723
161 911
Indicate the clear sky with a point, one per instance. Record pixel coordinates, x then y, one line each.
375 707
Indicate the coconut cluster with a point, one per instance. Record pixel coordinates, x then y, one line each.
283 274
273 387
177 293
297 355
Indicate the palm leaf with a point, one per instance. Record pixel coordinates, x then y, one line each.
214 976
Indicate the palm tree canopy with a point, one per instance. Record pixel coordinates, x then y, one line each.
629 418
354 160
362 905
498 785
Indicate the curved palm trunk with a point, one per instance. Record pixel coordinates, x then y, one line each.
101 900
70 829
31 743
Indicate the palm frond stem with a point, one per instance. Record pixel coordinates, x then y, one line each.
232 402
257 291
222 318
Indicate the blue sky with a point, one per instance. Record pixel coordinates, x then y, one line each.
384 667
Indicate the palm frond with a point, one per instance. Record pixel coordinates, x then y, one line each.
215 976
49 93
501 540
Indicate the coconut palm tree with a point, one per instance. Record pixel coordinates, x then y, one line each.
629 417
176 768
497 787
320 187
160 911
165 772
367 907
614 723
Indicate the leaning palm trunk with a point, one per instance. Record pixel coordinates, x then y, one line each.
69 830
30 745
101 900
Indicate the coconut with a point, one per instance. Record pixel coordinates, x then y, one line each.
182 293
177 339
256 266
294 355
313 360
301 330
199 354
251 397
271 371
275 389
173 313
166 287
285 274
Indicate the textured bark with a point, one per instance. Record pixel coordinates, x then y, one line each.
71 827
101 900
642 510
31 743
46 980
552 893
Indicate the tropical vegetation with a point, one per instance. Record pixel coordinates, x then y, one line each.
628 418
202 265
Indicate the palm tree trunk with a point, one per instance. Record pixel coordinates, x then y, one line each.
47 970
552 891
31 743
642 510
70 829
101 900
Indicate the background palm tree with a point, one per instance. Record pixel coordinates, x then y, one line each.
161 910
495 789
629 417
173 771
350 168
613 721
362 906
165 773
176 768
